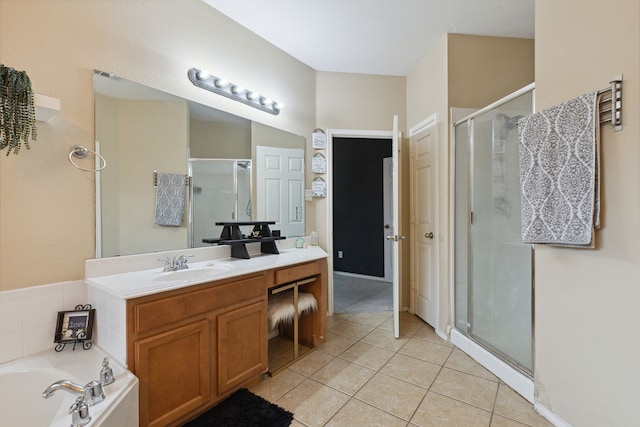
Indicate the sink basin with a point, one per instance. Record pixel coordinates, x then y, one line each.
193 273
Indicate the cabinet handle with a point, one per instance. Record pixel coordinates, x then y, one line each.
428 235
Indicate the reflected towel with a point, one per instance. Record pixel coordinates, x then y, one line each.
170 197
559 173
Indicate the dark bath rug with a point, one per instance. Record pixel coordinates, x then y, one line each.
243 409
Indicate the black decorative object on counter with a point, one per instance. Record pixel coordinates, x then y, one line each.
75 326
231 235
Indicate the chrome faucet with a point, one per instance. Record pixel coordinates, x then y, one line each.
106 374
175 263
79 413
91 393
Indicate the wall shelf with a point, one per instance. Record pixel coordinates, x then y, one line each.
46 107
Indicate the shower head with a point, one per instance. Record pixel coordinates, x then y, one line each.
509 122
245 165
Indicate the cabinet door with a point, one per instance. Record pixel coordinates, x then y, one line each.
242 345
173 369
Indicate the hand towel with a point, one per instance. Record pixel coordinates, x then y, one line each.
170 197
559 173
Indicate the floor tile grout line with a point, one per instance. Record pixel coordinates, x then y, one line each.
394 352
378 371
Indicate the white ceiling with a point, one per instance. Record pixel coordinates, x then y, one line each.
385 37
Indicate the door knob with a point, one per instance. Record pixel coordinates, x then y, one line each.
428 235
391 237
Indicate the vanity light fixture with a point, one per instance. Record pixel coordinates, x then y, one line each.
223 87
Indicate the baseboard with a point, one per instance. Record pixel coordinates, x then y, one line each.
442 334
519 382
361 276
550 416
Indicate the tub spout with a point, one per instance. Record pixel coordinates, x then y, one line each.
92 393
67 385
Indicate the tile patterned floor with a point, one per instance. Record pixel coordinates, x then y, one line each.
362 376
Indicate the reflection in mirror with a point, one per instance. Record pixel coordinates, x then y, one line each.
140 130
221 190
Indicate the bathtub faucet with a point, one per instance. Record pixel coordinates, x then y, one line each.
92 393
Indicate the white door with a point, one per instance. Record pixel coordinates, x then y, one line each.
395 140
423 177
280 188
387 201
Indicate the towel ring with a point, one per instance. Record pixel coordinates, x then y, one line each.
80 152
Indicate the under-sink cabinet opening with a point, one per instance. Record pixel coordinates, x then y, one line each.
291 309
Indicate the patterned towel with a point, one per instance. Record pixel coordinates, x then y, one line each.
559 173
170 195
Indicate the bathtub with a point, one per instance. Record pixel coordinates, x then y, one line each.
22 382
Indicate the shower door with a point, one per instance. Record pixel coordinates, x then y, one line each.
493 268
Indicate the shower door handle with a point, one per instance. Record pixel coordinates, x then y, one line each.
428 235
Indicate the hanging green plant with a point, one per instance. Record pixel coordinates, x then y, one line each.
17 112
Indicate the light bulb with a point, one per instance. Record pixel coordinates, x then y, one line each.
221 82
237 89
202 75
253 96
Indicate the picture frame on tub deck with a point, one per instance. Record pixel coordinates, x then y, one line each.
75 325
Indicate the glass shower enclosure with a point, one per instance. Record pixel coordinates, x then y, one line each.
221 191
493 282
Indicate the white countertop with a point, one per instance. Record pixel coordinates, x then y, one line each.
146 282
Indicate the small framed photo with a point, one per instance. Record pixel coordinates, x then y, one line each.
74 325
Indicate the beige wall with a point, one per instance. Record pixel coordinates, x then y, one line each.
47 211
220 140
461 71
427 95
151 136
484 69
587 347
365 102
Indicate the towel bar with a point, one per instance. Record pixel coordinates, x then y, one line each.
612 105
187 179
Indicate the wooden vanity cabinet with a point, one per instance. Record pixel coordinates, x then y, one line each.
191 347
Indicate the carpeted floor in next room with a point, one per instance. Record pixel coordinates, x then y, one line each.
357 294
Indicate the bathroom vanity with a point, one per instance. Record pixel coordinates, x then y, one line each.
195 339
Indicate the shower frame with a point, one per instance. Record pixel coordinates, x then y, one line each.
522 374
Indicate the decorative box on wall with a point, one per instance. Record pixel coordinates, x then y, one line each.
318 139
319 163
319 187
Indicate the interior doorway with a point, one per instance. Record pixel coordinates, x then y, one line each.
358 205
359 248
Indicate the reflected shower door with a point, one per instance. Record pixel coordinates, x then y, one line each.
221 192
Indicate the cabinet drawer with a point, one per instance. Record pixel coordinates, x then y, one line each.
297 272
155 314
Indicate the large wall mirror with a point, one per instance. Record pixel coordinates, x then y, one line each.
238 170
